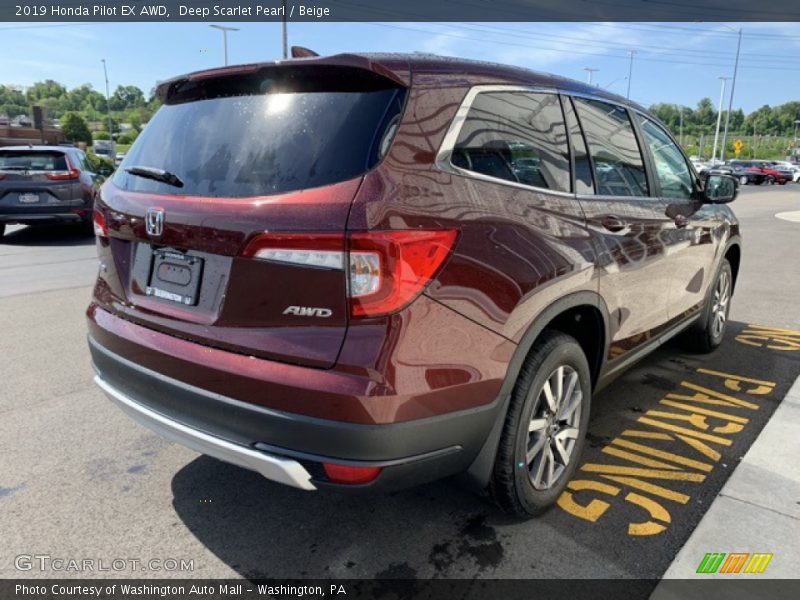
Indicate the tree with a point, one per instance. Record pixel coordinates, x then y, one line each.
12 102
101 135
45 89
127 96
128 137
705 116
75 128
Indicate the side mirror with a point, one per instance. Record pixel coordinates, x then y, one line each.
720 189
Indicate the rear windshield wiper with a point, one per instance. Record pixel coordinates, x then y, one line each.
156 174
14 168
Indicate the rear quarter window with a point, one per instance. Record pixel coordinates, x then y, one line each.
515 136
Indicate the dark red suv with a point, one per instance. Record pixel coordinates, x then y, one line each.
370 271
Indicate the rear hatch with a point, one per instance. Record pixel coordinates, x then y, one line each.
33 180
225 222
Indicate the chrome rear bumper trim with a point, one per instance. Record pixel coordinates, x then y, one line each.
276 468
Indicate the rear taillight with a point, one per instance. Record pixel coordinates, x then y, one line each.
350 475
99 222
309 249
389 268
2 176
386 269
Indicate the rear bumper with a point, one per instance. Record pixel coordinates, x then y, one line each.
290 448
43 217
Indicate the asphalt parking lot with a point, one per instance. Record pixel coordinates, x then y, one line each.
79 479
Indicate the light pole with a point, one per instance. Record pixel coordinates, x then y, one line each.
284 32
590 71
108 98
225 31
719 116
733 88
681 120
630 73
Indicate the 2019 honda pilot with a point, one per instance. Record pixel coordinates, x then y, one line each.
370 271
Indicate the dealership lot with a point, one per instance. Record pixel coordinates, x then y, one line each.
80 480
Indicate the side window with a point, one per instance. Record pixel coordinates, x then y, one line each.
618 164
583 167
517 136
674 176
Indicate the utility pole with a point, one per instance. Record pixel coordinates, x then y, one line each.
681 126
754 139
284 32
630 73
225 31
719 116
108 98
733 88
590 71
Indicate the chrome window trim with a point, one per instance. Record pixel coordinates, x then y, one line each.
443 156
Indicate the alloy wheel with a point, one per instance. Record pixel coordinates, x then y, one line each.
743 180
719 308
554 427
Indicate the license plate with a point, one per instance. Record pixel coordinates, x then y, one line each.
175 277
28 198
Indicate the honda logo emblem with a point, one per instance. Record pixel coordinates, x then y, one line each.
154 222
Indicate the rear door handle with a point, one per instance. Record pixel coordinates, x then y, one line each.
612 223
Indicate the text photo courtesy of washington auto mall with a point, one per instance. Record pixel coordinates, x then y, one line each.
397 301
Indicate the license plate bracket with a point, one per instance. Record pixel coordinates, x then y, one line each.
175 276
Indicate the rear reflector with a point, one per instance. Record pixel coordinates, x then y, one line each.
350 475
386 270
99 222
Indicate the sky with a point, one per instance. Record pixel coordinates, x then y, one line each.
677 63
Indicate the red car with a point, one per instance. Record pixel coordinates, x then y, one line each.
365 272
771 173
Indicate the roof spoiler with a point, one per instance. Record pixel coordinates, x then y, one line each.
401 76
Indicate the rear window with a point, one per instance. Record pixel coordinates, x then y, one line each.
270 132
28 160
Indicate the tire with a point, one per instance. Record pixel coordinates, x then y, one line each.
519 483
2 231
743 180
770 180
708 334
782 182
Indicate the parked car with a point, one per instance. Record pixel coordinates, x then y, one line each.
785 165
46 184
377 300
771 174
119 158
744 175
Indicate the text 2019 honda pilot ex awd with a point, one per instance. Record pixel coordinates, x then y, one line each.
370 271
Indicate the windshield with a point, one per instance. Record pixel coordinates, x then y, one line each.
286 137
32 161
